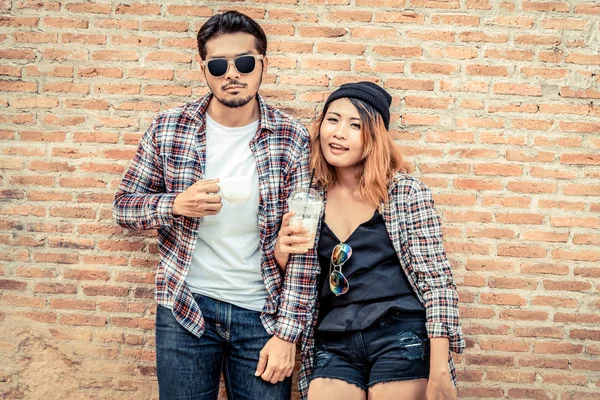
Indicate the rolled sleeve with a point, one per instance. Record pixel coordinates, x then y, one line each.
432 268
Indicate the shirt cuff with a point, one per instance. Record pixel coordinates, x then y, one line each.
289 329
164 209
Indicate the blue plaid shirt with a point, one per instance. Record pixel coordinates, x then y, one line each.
170 158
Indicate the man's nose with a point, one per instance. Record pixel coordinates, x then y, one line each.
232 72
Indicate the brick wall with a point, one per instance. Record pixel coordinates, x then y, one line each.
496 104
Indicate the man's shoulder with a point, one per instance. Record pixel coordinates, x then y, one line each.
281 122
183 113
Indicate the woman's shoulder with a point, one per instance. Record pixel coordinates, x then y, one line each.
404 184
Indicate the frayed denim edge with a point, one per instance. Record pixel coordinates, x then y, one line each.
411 378
360 386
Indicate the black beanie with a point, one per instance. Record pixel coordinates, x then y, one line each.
369 92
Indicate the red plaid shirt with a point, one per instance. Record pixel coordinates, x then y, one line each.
171 157
416 234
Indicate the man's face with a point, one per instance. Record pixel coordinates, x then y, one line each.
233 89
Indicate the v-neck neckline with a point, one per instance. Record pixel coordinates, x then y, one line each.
335 236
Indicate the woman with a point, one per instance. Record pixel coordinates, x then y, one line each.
388 313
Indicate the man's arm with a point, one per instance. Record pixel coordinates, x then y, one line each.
141 201
298 295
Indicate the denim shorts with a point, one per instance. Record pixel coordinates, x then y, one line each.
394 348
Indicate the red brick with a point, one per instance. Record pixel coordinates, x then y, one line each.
524 315
504 345
557 348
521 251
512 283
89 8
567 285
532 187
6 284
475 36
139 323
577 318
21 301
181 10
585 334
65 23
502 299
479 392
38 316
494 233
73 212
447 4
33 272
526 393
564 23
400 17
545 236
83 320
545 6
106 290
589 8
491 360
581 255
538 332
73 304
511 376
323 32
55 288
341 48
477 184
442 103
538 362
582 190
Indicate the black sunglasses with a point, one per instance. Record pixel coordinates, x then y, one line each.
244 64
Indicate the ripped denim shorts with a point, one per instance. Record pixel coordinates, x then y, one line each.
394 348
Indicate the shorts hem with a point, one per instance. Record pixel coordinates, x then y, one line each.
410 378
359 385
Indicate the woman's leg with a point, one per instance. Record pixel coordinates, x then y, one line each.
334 389
400 390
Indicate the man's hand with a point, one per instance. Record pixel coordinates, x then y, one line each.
199 200
439 387
276 361
292 239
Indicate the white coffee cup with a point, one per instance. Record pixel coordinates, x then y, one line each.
235 189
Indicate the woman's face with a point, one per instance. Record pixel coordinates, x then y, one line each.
341 138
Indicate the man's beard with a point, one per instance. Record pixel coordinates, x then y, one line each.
234 103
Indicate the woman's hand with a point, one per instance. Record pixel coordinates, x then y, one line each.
440 387
292 239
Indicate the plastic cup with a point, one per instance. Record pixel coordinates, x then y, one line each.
307 203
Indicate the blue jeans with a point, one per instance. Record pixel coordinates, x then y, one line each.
189 367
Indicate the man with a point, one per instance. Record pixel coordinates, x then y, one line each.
222 304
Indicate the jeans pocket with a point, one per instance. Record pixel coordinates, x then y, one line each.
412 346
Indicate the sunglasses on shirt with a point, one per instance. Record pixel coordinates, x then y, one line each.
337 281
244 64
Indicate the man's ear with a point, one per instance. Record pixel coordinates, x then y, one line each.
265 63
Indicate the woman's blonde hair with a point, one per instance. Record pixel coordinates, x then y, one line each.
380 160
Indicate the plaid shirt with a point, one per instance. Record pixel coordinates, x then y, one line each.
416 233
171 157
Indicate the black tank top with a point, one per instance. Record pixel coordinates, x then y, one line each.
377 282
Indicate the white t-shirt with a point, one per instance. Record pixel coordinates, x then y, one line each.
226 261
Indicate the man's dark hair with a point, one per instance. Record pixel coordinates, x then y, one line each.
230 22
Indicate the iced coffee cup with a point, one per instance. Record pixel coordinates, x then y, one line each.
307 204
